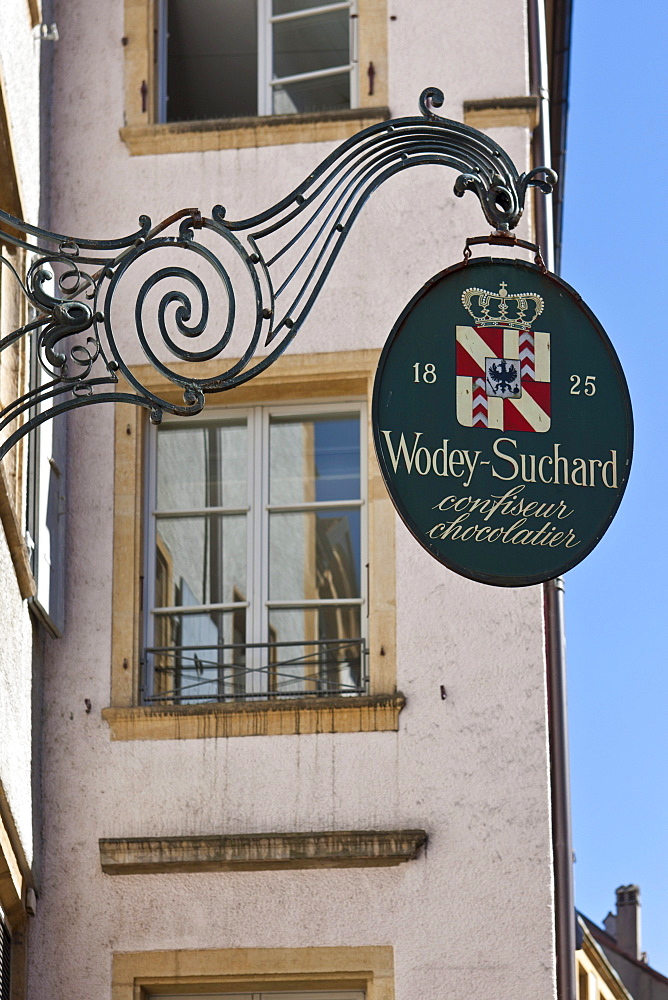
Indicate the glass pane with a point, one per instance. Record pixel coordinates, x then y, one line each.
314 458
211 59
324 655
201 467
331 93
200 560
314 555
198 657
289 6
306 44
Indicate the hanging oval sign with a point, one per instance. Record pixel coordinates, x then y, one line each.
502 422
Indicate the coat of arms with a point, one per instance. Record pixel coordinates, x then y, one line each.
503 366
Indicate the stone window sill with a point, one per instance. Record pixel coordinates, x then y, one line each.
371 714
260 851
242 133
503 112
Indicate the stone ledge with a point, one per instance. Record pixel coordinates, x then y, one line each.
500 112
370 714
243 133
260 851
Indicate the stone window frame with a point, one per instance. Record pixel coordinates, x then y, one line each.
143 974
143 135
295 378
14 366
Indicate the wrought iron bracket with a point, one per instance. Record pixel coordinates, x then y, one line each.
283 257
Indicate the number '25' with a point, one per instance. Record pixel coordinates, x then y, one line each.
589 387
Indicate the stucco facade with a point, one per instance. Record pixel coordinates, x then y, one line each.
472 911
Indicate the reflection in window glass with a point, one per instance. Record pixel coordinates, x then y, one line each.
329 93
202 559
330 662
290 6
314 555
314 459
311 43
202 466
187 663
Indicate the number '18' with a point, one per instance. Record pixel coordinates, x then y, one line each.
428 373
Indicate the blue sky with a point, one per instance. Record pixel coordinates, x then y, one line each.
616 229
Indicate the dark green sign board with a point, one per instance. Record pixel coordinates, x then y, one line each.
502 422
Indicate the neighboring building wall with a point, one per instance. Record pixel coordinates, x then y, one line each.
596 978
472 771
20 195
620 943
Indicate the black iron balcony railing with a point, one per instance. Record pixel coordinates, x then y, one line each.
192 675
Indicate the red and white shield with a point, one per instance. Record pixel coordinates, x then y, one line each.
503 378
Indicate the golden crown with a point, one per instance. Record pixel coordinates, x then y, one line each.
502 309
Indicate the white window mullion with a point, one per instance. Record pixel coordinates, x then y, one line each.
365 473
265 58
162 38
258 529
315 74
354 56
148 597
295 15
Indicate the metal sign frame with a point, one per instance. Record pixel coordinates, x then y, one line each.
71 283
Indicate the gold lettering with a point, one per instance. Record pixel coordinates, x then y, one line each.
545 527
505 458
422 451
544 458
513 527
459 462
579 468
402 450
444 452
612 465
518 540
439 506
557 459
592 472
528 478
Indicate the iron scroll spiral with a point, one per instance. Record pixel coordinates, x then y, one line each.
73 323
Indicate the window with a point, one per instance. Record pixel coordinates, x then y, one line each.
141 705
256 570
235 58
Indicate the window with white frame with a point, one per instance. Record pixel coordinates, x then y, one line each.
257 555
235 58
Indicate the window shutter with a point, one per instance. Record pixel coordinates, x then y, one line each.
47 462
